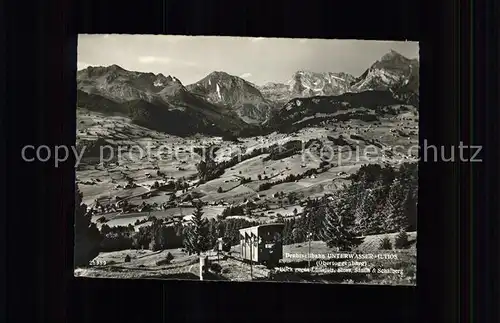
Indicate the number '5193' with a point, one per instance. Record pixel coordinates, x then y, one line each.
97 263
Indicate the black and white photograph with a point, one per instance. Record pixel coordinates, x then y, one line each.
247 159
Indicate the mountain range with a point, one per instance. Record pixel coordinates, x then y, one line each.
224 104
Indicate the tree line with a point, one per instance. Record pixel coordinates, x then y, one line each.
199 234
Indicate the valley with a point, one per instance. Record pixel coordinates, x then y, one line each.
175 160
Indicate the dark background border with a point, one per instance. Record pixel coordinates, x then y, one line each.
40 97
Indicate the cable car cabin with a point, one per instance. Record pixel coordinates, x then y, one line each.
262 244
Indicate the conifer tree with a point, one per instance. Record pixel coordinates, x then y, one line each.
395 218
231 231
158 236
207 166
408 175
338 226
377 222
197 235
366 216
291 227
401 240
213 231
385 243
220 229
286 232
387 175
410 209
87 236
351 200
300 230
313 216
409 179
297 235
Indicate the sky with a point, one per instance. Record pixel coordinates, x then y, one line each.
258 60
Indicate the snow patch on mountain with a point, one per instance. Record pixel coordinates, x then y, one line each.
218 92
306 83
337 78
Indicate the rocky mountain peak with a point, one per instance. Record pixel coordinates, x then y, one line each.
234 93
116 68
218 82
307 83
393 59
392 54
162 80
110 73
219 74
393 69
115 83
